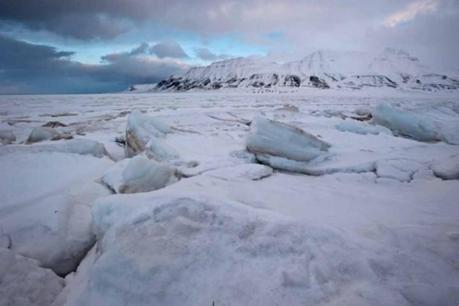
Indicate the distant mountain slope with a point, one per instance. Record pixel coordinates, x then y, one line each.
398 65
391 68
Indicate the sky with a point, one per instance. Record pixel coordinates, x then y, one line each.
92 46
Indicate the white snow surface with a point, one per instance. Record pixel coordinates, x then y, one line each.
45 205
242 172
372 221
7 137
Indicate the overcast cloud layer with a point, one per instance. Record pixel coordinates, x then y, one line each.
164 37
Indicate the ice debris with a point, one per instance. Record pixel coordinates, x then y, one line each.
402 170
45 205
272 139
159 150
447 169
43 133
77 146
24 282
192 251
139 174
139 131
7 137
359 127
420 124
84 147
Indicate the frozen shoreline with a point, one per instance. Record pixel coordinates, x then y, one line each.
385 234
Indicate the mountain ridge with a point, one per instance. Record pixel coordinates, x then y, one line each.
391 68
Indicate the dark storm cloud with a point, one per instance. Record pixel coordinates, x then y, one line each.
20 59
30 68
106 18
82 19
207 55
15 54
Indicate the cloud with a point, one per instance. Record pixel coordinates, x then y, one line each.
162 50
30 68
143 48
16 54
288 29
108 18
429 37
82 19
139 65
19 59
411 11
207 55
168 49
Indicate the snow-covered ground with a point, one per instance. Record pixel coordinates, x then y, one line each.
366 214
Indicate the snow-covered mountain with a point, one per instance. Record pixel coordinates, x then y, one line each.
321 69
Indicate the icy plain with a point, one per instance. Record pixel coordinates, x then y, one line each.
371 220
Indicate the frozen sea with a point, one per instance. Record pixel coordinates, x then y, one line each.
373 221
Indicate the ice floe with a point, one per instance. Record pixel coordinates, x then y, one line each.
139 174
159 150
424 124
270 139
358 127
140 129
43 133
75 146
